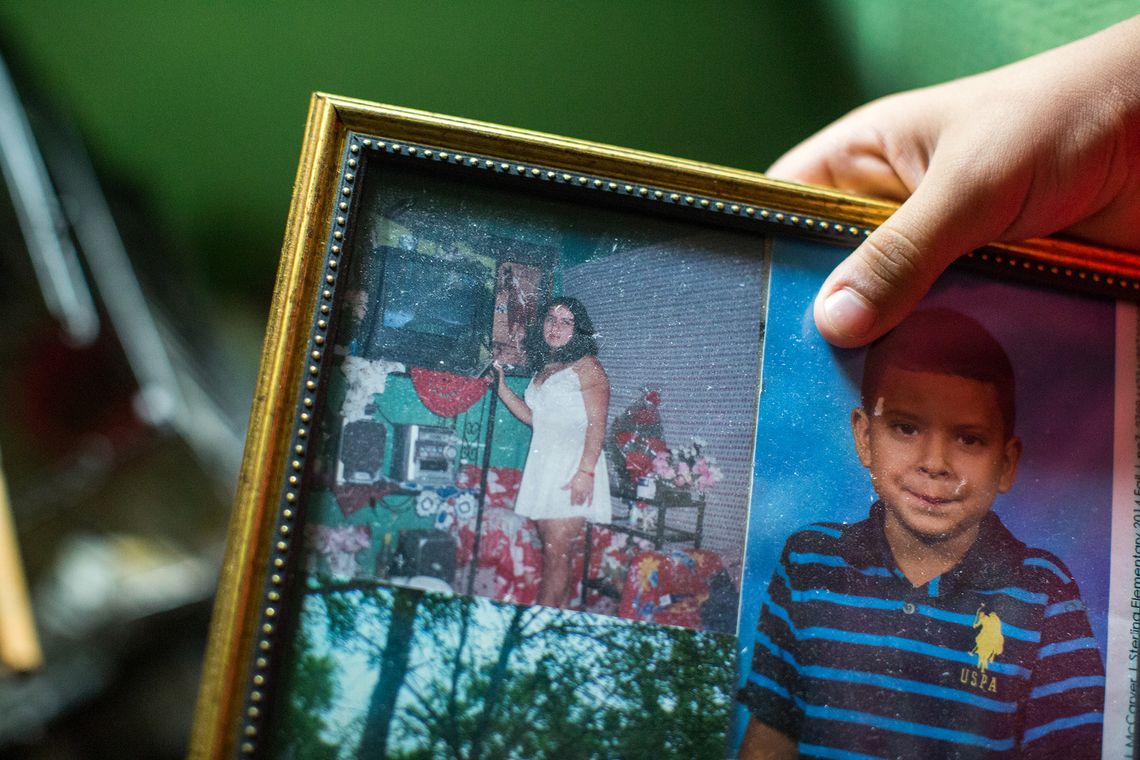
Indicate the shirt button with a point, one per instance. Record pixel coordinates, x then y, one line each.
908 608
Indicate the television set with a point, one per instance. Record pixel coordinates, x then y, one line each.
432 312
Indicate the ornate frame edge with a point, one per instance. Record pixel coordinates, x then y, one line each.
331 119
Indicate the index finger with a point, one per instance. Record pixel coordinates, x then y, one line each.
852 168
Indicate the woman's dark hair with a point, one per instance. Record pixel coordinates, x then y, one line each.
582 343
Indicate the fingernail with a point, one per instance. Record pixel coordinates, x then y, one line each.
848 313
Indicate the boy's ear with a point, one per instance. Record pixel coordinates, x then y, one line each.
1012 455
861 430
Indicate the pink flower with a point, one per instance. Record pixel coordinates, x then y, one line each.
350 538
339 546
706 474
343 565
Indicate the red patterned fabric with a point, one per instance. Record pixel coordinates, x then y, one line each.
446 394
662 587
502 483
510 559
669 588
510 551
610 556
510 556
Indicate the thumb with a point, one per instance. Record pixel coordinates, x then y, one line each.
883 279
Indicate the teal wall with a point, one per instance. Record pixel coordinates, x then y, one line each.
399 403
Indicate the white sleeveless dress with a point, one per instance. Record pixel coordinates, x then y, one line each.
558 419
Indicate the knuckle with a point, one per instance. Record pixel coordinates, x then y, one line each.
890 259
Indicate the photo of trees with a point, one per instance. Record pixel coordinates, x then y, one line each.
379 671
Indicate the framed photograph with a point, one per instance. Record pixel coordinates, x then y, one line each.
547 460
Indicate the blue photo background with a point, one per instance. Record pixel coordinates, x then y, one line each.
1061 347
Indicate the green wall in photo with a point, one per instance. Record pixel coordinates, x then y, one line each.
399 404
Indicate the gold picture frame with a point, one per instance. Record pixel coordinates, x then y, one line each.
261 570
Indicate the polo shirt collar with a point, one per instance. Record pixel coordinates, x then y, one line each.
989 563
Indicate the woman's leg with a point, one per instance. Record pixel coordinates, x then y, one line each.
558 542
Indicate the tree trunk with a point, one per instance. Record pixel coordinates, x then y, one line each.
393 669
511 639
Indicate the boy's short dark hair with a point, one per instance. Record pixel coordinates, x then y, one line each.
945 342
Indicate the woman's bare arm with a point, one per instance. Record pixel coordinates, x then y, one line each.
517 406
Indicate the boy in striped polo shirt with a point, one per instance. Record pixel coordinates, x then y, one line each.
927 630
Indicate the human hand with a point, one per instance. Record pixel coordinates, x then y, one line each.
1048 144
581 488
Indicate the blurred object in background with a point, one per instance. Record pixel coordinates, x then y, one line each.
20 650
122 438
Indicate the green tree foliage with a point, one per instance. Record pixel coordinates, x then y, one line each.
311 693
460 678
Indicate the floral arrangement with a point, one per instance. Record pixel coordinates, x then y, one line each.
686 468
638 452
637 438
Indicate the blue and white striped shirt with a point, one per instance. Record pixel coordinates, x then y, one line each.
993 658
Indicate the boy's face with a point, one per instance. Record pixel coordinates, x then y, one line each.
937 450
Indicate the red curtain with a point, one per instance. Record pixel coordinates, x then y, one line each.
446 394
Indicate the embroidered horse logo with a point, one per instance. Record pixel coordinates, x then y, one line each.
989 642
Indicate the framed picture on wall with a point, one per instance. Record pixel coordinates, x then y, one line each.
518 293
547 460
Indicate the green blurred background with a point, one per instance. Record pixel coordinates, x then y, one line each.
194 113
201 105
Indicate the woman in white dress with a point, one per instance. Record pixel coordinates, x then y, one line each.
564 482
